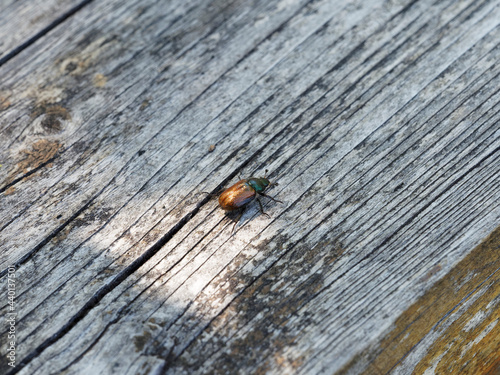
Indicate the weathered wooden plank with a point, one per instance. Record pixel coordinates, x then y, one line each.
130 139
65 248
21 22
387 159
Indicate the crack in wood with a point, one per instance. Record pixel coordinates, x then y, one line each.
16 51
134 266
324 220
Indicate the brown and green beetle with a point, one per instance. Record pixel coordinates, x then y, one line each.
242 193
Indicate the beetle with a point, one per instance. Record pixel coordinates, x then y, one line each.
242 193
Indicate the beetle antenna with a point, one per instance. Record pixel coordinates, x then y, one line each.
265 173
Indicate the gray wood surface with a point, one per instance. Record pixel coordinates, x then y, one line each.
379 120
23 22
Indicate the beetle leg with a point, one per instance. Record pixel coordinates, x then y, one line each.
261 209
214 193
268 196
236 222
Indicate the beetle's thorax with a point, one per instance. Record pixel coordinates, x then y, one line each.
259 184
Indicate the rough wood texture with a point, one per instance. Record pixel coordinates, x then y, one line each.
452 328
379 120
23 22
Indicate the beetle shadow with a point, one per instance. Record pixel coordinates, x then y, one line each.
245 214
235 217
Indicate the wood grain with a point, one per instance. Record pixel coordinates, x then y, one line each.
379 121
23 22
451 328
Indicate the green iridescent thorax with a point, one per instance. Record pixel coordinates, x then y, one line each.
259 184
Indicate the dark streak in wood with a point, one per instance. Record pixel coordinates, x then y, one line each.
17 50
